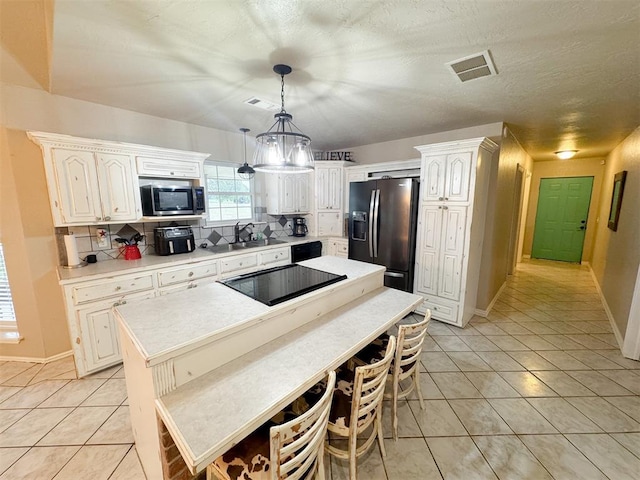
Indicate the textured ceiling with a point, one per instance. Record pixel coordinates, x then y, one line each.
363 72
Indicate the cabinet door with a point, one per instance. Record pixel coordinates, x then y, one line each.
334 194
322 190
162 167
456 188
429 224
287 197
77 183
451 251
118 186
303 199
99 334
433 173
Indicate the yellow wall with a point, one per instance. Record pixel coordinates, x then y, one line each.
616 255
30 251
587 167
501 206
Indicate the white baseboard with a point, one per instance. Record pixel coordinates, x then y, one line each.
37 359
485 313
607 310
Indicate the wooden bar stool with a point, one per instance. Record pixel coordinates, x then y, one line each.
405 364
357 405
293 450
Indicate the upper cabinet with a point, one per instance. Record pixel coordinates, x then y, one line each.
97 182
287 193
328 186
446 177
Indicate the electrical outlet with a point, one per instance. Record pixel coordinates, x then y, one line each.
102 238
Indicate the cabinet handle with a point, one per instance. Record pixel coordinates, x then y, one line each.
118 288
120 302
98 219
191 274
445 208
107 218
171 173
440 198
439 207
446 199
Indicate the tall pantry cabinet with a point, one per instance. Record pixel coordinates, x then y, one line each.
454 183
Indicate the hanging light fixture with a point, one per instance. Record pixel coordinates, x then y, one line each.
245 172
284 148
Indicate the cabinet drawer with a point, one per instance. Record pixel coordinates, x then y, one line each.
179 287
111 288
158 167
232 264
341 247
186 273
441 310
277 255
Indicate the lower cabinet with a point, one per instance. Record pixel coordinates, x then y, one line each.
339 247
92 325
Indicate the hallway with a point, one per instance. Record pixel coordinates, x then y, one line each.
537 390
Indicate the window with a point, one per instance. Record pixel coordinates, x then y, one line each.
229 197
7 314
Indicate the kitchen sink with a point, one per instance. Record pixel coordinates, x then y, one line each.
245 245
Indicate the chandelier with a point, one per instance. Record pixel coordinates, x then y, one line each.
283 148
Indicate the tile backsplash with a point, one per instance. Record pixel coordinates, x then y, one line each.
100 239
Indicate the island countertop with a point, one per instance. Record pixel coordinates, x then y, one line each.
166 326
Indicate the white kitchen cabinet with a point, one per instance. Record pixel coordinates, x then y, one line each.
287 193
186 276
339 247
328 185
96 182
168 168
94 334
453 194
275 257
238 264
93 187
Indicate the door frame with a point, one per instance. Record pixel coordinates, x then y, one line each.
526 196
516 219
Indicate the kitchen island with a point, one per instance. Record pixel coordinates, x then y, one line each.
212 364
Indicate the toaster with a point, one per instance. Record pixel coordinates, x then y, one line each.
172 240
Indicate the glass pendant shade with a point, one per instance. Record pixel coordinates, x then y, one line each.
246 172
284 148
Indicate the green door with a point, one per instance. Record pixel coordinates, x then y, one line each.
561 220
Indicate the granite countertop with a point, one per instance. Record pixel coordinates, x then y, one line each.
108 268
165 324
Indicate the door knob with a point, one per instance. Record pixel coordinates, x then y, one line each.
582 227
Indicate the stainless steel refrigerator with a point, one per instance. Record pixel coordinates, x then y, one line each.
382 227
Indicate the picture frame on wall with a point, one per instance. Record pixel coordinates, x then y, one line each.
616 199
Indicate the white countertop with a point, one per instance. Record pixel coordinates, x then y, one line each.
210 414
108 268
164 325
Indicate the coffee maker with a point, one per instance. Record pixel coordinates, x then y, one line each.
299 227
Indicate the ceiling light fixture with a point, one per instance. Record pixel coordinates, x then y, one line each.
245 172
284 148
566 154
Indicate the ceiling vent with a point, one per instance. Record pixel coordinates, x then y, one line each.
474 66
263 104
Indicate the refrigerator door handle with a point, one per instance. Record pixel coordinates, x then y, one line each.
371 203
375 223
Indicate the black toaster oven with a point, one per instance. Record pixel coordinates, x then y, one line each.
172 240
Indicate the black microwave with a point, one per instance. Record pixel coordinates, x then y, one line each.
166 201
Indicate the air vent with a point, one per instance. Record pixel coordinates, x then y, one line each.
474 66
263 104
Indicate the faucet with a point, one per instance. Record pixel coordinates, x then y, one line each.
238 231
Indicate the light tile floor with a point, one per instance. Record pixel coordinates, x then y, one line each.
538 390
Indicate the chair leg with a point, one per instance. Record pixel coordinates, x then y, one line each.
353 443
320 462
394 409
416 379
378 426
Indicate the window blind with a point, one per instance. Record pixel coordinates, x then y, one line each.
7 313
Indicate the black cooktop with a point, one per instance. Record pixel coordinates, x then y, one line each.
279 284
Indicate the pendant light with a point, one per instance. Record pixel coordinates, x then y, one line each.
283 148
246 172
